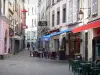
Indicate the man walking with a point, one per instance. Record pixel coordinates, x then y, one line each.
28 46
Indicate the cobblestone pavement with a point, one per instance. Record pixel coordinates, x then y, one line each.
22 64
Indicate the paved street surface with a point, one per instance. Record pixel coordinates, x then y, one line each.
22 64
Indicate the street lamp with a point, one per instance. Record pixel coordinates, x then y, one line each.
81 13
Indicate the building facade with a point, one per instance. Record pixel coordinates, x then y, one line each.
81 17
10 20
16 29
43 15
31 21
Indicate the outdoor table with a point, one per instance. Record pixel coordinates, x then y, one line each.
86 68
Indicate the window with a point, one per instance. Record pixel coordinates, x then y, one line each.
78 8
32 23
15 5
94 8
52 2
49 2
64 13
53 19
32 10
58 0
4 7
28 35
32 35
35 10
28 1
58 17
35 22
28 11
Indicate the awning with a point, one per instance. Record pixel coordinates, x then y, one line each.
47 37
87 26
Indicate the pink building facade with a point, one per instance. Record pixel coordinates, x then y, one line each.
4 37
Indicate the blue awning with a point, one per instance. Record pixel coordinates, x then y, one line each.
47 37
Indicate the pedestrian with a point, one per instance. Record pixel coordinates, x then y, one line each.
33 47
28 46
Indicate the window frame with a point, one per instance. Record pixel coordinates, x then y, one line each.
53 17
58 17
64 15
94 6
53 2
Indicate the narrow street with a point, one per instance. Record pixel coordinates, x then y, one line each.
22 64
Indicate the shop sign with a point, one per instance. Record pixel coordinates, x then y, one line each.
42 23
11 32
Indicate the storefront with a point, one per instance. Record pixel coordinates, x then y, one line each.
74 42
57 44
17 44
90 40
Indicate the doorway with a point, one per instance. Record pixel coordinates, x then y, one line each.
16 48
86 46
96 49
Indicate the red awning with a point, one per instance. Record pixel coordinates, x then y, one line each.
87 26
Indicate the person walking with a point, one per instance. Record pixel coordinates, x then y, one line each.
32 49
28 46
